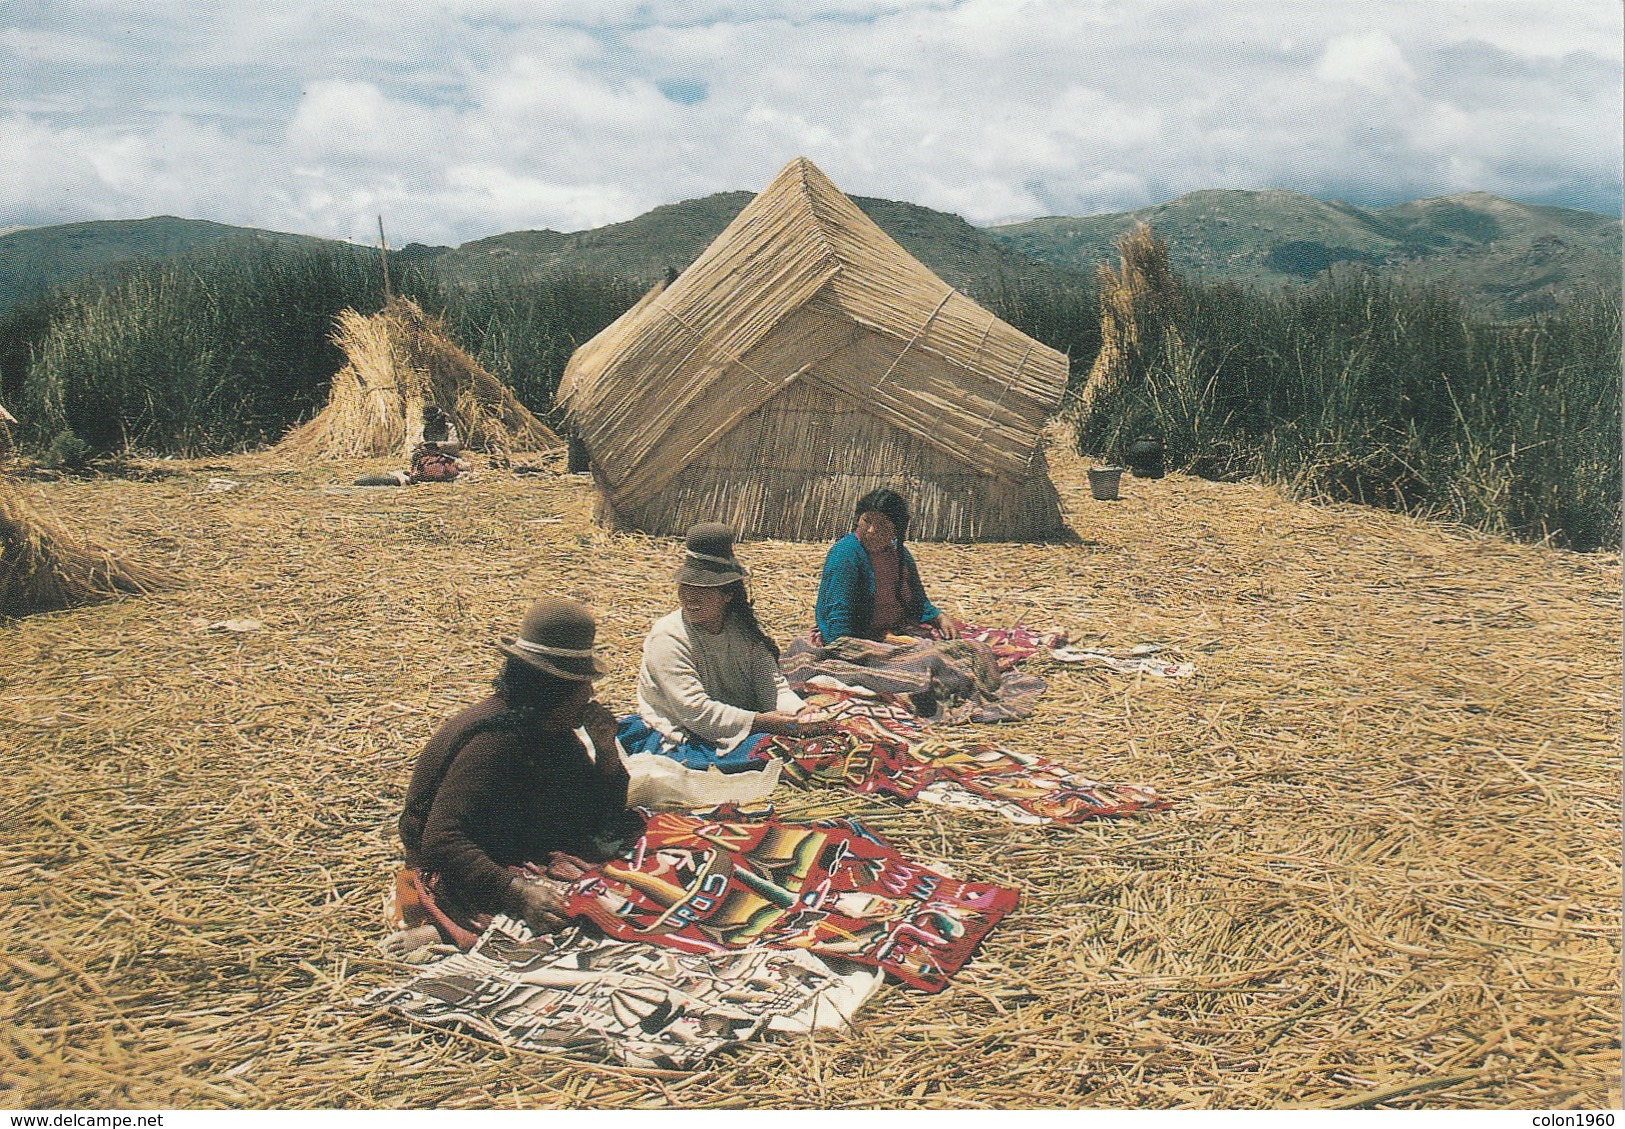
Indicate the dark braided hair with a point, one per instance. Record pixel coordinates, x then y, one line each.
528 695
741 608
894 507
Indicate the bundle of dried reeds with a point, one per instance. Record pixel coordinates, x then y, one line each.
43 567
1134 302
397 361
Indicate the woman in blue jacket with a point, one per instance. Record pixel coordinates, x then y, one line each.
871 587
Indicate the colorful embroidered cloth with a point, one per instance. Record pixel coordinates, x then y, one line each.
945 680
883 749
1013 645
832 887
633 1003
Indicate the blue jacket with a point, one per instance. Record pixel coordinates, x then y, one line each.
846 591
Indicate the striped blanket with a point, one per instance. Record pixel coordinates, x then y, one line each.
945 680
882 748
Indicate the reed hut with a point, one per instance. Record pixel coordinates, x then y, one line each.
44 567
396 361
802 360
8 445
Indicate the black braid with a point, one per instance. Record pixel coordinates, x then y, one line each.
741 608
894 507
528 695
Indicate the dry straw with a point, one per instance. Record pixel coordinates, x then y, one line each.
1134 301
802 360
396 361
1391 875
44 567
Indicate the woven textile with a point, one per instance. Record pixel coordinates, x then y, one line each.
638 1004
832 887
882 748
948 681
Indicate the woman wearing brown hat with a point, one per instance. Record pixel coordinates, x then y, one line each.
508 782
709 689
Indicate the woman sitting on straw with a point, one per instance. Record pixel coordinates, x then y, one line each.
528 777
433 451
709 690
877 630
870 587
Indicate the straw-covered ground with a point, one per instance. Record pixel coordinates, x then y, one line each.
1391 875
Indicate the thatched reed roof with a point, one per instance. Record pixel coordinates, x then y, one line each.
398 360
44 567
802 287
5 416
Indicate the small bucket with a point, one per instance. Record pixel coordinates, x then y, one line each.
1103 482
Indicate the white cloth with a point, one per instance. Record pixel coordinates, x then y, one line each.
662 784
693 684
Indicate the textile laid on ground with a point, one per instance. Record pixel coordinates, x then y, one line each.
882 748
834 887
1134 664
635 1003
1013 645
947 680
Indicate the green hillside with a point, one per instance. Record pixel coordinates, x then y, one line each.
1508 257
34 259
673 235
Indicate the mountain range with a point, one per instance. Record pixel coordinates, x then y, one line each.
1509 258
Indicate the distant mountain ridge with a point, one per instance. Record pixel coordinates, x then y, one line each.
34 259
1509 257
674 235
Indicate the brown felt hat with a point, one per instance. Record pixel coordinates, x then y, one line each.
556 638
708 557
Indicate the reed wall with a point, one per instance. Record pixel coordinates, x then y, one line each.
794 468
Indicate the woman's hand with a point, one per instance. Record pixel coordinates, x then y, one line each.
600 725
786 725
537 904
946 627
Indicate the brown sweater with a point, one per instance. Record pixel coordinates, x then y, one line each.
505 798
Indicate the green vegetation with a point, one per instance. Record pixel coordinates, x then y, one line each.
226 347
1357 387
1504 258
1365 390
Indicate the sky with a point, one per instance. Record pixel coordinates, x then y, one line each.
465 118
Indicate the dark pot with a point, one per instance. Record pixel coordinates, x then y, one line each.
1144 457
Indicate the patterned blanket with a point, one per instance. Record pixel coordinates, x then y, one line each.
832 887
631 1003
1013 645
946 680
882 748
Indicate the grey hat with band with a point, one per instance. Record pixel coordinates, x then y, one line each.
556 638
708 557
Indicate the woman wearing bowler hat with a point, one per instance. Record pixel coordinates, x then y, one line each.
709 689
509 782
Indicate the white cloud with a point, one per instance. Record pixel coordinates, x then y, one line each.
468 117
1372 60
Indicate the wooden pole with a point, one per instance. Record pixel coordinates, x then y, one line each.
383 253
